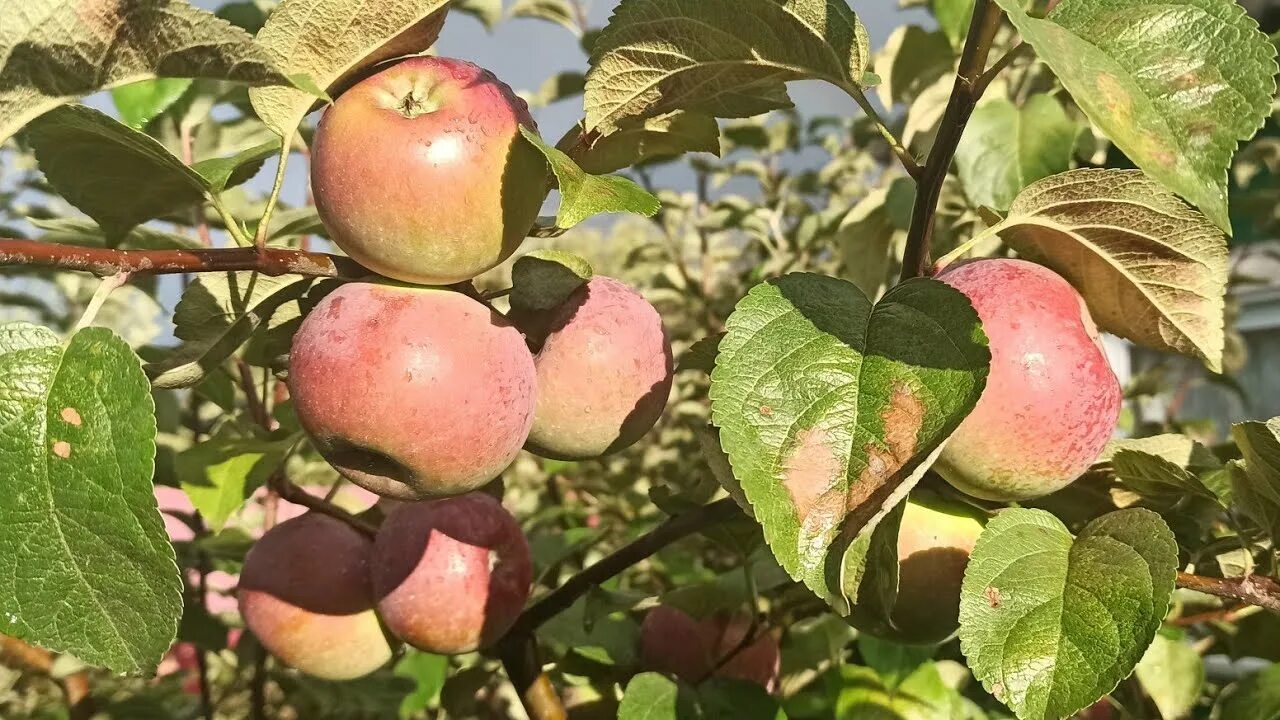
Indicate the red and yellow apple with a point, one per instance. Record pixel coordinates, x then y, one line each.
1051 400
419 171
935 539
451 575
672 642
306 594
412 392
604 372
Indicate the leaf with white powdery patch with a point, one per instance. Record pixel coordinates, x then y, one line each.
1152 269
583 195
329 41
726 58
76 506
1050 623
59 50
830 408
1176 97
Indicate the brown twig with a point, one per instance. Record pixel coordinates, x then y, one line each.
75 687
1227 614
1252 589
519 651
296 495
969 83
105 262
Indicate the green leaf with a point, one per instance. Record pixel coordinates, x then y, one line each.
1180 450
222 173
488 12
1172 673
953 19
429 672
726 699
221 472
893 662
60 50
76 507
544 279
216 315
726 58
1177 97
560 86
921 696
559 12
141 102
330 41
1257 697
583 195
1049 623
1256 480
649 140
1006 148
611 639
1154 476
118 176
1152 270
701 355
78 231
650 696
912 59
830 409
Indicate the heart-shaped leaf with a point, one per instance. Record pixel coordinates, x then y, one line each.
330 41
1050 623
1176 97
85 565
1152 270
727 58
60 50
830 408
1006 148
583 195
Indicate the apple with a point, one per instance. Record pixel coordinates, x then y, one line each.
412 392
1051 400
420 173
674 643
451 575
935 539
604 373
305 592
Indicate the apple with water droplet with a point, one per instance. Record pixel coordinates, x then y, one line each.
420 173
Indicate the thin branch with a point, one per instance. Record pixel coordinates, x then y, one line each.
264 225
75 687
1001 63
105 262
296 495
1252 589
964 98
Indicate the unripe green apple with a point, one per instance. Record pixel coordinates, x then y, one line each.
1051 400
672 642
305 592
419 171
935 539
412 392
604 373
451 575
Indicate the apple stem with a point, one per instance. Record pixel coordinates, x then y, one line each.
971 80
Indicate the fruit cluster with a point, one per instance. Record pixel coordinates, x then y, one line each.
424 394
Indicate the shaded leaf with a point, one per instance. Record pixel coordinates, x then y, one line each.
912 59
77 510
544 279
658 138
222 173
1006 148
141 102
559 12
583 195
1152 270
488 12
1257 697
650 696
1172 673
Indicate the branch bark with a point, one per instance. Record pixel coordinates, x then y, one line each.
75 687
1252 589
106 262
969 84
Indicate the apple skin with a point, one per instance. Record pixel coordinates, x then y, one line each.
935 539
451 575
305 592
419 171
674 643
604 373
412 393
1051 400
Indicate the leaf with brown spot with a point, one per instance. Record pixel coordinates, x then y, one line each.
861 398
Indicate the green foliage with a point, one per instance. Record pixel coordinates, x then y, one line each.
1043 138
78 454
583 195
544 279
